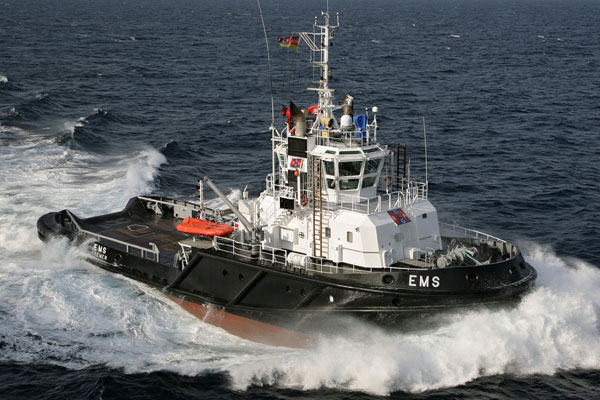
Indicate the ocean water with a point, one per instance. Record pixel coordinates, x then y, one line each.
100 101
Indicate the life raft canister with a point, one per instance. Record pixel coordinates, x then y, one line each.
202 227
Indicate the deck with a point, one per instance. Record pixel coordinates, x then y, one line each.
139 232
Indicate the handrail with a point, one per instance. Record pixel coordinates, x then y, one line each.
153 250
269 254
468 233
171 202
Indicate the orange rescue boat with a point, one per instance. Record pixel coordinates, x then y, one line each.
202 227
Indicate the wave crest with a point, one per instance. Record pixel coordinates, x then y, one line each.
554 327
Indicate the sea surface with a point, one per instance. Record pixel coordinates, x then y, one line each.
103 100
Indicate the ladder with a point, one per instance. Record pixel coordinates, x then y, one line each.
317 195
401 159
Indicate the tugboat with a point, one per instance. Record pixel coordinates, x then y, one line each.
340 229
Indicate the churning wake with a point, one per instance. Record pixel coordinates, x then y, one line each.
555 327
55 308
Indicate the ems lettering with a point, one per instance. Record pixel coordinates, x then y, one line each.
423 281
99 249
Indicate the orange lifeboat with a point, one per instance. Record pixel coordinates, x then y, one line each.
203 227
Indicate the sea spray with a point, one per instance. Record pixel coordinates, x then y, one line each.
141 172
554 327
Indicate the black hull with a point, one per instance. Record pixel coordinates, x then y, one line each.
269 304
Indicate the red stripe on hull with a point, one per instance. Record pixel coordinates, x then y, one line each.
247 328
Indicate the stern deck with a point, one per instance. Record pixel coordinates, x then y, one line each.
131 233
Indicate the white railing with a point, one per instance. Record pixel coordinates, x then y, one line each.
338 137
417 191
457 231
279 257
171 202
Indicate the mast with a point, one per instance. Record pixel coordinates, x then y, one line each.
318 42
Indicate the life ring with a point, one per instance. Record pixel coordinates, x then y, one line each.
388 182
303 200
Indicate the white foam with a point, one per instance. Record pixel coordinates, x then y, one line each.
70 126
141 172
39 175
58 309
3 79
234 196
555 327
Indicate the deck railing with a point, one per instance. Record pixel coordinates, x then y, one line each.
144 252
279 257
451 230
412 193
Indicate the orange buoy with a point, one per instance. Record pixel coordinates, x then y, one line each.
202 227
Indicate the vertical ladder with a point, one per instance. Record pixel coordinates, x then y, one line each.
317 194
401 158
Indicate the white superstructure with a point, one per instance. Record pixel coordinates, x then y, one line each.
335 193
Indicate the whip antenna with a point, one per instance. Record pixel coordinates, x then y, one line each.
269 61
425 139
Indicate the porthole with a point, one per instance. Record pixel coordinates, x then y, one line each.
472 277
387 279
288 289
118 258
241 277
225 272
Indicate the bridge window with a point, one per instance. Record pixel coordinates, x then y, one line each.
369 181
331 183
372 166
349 168
349 184
329 168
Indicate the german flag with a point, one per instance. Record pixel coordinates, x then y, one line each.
290 42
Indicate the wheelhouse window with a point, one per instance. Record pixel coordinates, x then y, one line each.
349 184
373 166
369 181
350 168
331 183
329 167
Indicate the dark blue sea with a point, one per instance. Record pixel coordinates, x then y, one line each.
103 100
